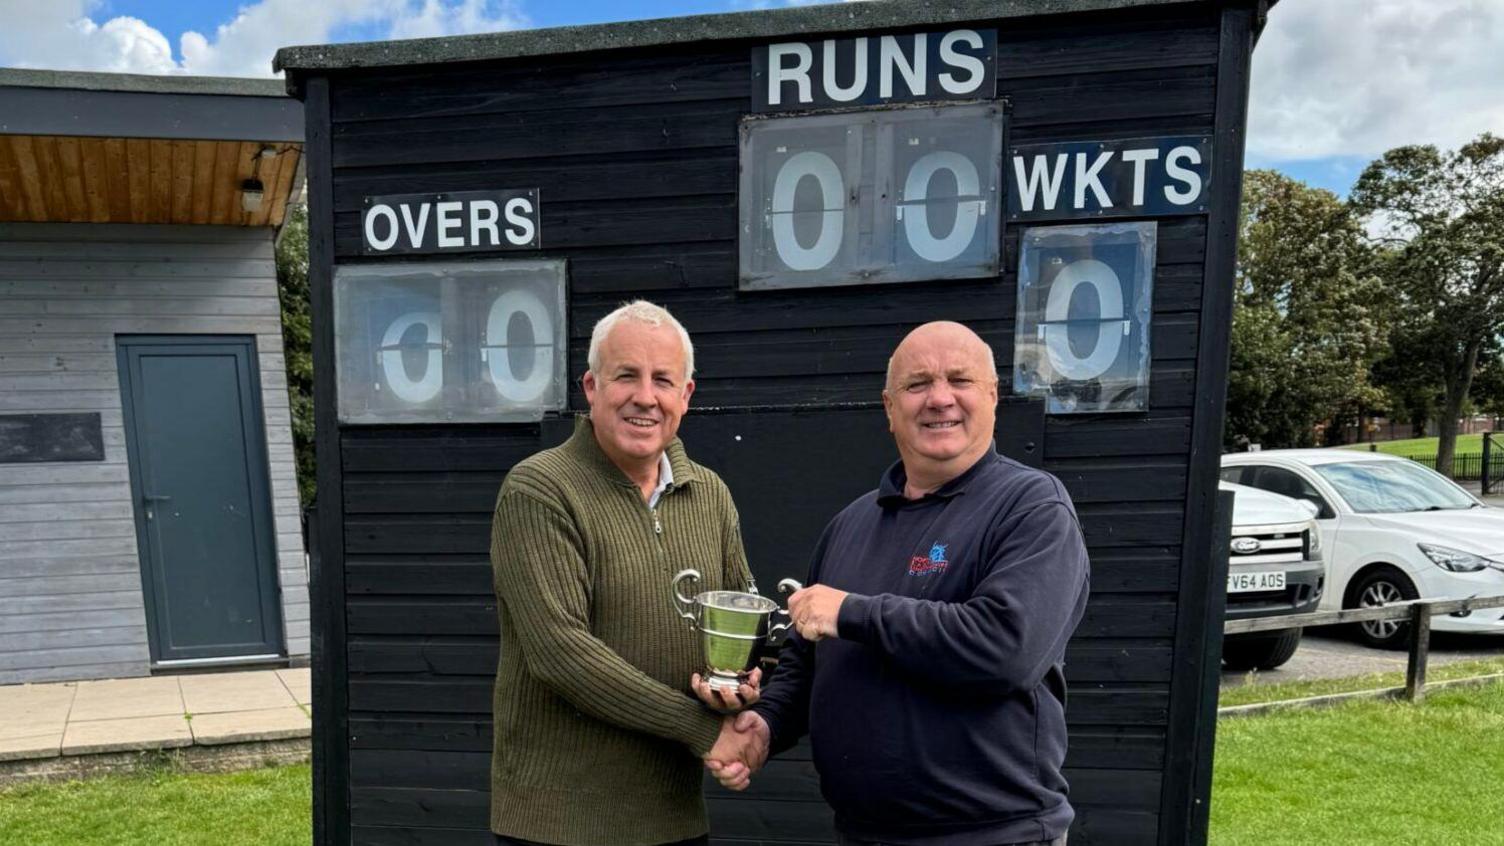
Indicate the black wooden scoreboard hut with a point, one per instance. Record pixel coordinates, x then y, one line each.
800 187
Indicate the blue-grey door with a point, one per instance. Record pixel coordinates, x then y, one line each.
198 470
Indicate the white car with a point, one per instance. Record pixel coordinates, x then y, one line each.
1392 530
1274 569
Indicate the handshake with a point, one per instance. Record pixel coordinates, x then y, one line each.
742 747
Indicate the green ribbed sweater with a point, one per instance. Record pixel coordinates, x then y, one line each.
598 738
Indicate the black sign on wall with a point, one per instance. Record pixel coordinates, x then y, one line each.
27 438
455 222
1137 177
912 67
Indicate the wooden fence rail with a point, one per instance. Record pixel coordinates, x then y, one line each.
1417 611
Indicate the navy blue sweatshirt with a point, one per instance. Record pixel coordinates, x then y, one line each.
938 716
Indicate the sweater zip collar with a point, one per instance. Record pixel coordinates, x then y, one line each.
583 445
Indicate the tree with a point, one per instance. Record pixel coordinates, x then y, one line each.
1488 387
297 341
1442 216
1308 319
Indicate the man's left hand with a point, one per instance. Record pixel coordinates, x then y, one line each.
815 610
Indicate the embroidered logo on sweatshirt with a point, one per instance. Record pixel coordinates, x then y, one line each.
919 565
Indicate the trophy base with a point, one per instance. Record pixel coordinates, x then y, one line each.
725 682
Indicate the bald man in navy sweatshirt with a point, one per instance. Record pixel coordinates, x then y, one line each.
927 664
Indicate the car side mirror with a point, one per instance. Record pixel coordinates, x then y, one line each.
1313 508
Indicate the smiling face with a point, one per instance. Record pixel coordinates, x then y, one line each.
941 401
640 394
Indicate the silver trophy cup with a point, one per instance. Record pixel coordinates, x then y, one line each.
733 627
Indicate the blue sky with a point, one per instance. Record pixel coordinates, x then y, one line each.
1335 82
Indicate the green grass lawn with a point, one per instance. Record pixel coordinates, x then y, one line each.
268 807
1425 447
1364 773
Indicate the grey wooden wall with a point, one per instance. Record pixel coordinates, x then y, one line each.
71 604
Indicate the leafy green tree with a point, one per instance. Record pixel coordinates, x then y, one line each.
1442 216
1308 320
1488 387
297 341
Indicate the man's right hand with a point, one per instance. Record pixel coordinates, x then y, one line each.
741 750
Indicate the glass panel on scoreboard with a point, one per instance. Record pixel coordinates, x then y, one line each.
868 197
1084 316
480 341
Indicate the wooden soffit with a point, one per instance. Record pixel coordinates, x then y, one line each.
70 179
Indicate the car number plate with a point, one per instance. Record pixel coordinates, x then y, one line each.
1247 582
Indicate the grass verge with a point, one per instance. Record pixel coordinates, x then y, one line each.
1365 772
1257 692
1426 447
267 807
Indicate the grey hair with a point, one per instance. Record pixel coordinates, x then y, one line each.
639 311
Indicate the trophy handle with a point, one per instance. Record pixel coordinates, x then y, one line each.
778 631
684 604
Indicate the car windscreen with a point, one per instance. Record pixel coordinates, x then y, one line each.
1387 487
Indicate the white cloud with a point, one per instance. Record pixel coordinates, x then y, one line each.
64 35
1357 77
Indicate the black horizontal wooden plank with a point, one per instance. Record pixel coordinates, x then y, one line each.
420 768
657 268
560 179
381 835
435 575
418 533
1130 525
422 616
421 732
1118 660
430 493
1141 570
471 656
500 87
1122 479
1106 704
453 695
768 820
1128 615
437 449
1107 788
523 135
421 807
1089 436
1114 827
1119 748
1177 287
1105 97
1128 45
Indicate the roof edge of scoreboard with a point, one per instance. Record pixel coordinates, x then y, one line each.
762 24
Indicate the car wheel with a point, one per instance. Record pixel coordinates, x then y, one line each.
1264 651
1382 586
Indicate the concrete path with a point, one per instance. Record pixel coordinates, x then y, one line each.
1329 653
161 712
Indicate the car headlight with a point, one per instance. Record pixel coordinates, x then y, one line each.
1313 545
1456 560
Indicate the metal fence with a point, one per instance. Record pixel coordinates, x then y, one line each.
1468 467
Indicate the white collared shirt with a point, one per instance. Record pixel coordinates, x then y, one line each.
665 478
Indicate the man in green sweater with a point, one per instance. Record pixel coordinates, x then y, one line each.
598 739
